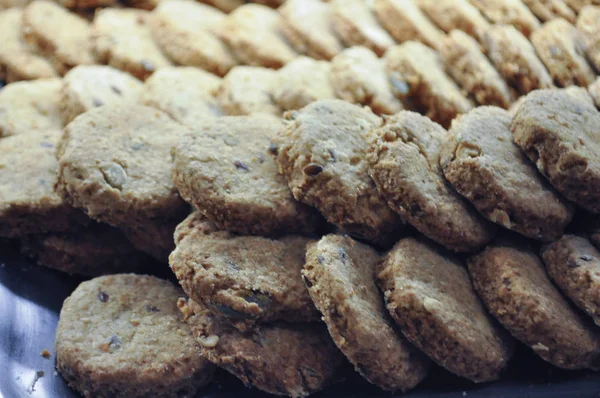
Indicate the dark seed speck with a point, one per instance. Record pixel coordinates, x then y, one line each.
312 169
241 165
102 296
97 102
148 66
46 144
585 257
115 90
151 308
273 149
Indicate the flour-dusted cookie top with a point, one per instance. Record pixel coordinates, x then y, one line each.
355 25
115 163
405 21
185 93
248 279
293 360
404 162
588 25
467 64
418 77
89 86
122 38
455 14
253 32
559 133
508 12
483 164
248 89
60 35
225 169
184 30
547 10
321 151
574 265
340 275
358 76
512 282
430 296
17 60
31 106
302 81
515 59
307 26
124 336
560 46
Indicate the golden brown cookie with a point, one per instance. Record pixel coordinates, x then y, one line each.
247 90
547 10
588 25
508 12
455 14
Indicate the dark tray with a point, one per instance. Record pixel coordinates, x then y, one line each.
31 298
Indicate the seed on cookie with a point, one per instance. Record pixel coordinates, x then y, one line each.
455 14
588 25
247 90
508 12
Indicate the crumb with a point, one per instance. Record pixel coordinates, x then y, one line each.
45 353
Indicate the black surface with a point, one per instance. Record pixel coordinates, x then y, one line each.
31 298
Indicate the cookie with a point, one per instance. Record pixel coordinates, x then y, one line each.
404 162
430 296
512 282
558 132
84 6
61 36
594 92
283 359
418 78
224 5
5 4
301 82
89 86
573 263
455 14
588 25
355 25
247 279
154 237
547 10
122 38
184 93
358 76
508 12
306 25
253 32
123 336
32 106
17 60
321 151
473 71
184 32
594 231
481 161
560 47
578 5
340 275
405 21
515 59
247 90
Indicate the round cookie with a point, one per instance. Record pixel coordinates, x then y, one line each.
225 170
547 10
559 133
588 25
455 14
340 276
321 151
508 12
89 86
430 296
247 90
512 282
481 161
247 279
404 162
282 359
124 336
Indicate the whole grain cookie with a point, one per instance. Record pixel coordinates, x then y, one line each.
307 26
512 282
89 86
508 12
515 58
217 167
358 76
430 296
588 25
253 32
355 25
122 38
559 133
247 279
547 10
184 31
405 21
473 71
248 89
404 162
283 359
340 275
321 152
455 14
60 35
560 47
573 263
481 161
301 82
418 78
124 336
185 93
